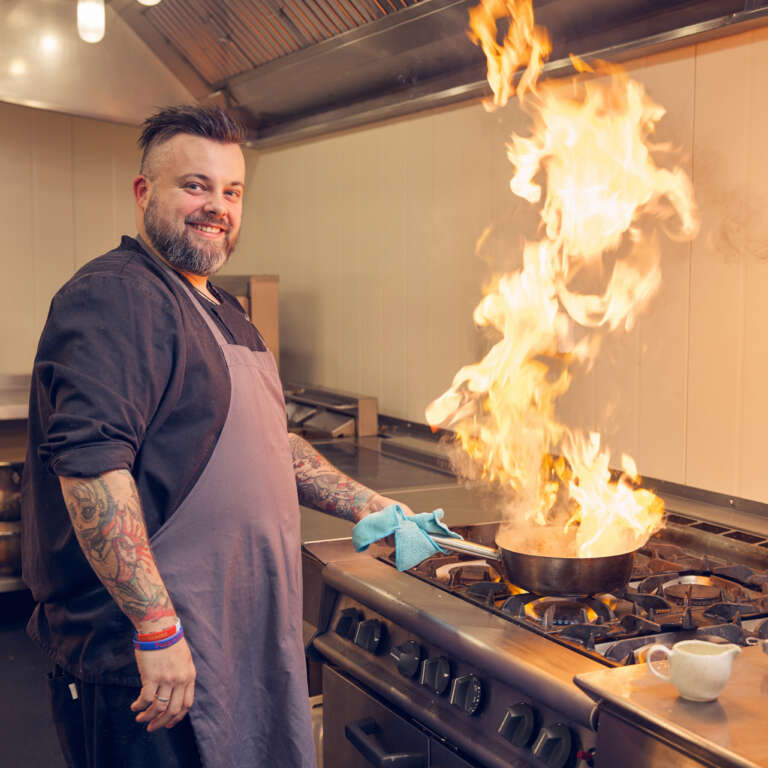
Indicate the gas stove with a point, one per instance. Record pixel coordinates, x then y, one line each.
674 594
484 671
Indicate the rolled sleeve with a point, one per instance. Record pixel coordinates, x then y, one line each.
105 359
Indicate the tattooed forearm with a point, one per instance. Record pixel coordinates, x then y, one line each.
107 518
321 486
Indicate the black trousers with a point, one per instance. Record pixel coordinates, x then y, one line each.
97 729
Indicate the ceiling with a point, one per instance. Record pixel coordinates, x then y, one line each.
298 68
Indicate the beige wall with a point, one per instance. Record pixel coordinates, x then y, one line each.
373 235
373 232
65 198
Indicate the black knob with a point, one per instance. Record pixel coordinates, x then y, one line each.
436 675
467 693
554 746
348 621
407 657
371 635
519 724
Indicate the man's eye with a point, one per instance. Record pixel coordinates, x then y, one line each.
193 185
234 193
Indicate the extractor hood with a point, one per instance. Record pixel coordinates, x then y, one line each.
299 68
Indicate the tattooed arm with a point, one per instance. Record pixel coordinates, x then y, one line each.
109 523
323 487
107 518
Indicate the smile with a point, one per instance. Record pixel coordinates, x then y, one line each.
210 229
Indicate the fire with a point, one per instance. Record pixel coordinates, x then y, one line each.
590 163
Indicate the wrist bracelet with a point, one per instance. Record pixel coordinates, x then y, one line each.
161 635
156 645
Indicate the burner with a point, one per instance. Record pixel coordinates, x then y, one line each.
762 630
456 572
561 611
648 603
515 605
693 589
729 611
584 634
722 633
634 624
488 591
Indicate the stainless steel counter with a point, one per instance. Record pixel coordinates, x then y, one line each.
727 733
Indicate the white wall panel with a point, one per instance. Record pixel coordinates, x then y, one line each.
69 201
683 392
728 313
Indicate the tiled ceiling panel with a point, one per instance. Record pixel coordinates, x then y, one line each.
224 38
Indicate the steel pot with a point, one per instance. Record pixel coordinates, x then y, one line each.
543 575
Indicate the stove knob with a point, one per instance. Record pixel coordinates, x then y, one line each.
348 621
519 724
467 693
436 675
371 635
554 746
407 657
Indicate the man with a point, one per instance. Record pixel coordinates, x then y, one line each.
161 488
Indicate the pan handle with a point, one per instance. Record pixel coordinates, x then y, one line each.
467 547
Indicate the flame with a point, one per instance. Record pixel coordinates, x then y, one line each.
590 164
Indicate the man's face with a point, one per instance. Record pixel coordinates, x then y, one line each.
192 202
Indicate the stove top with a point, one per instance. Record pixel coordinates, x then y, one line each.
685 583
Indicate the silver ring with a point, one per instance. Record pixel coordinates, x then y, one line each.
163 699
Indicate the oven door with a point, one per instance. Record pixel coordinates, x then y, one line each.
359 731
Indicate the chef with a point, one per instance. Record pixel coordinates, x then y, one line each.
161 534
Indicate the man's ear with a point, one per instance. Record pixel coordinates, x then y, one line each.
141 187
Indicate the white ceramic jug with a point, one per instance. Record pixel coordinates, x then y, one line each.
698 669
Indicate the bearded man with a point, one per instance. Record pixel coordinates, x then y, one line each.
161 534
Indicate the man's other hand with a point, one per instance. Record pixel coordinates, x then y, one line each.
167 685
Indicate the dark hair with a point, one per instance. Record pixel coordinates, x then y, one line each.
209 122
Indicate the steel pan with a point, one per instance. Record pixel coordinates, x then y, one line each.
564 576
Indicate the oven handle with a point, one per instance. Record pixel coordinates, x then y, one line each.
362 734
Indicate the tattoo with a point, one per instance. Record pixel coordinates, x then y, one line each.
323 487
107 518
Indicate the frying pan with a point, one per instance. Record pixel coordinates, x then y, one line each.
544 575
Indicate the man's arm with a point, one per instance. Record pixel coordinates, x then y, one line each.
109 523
323 487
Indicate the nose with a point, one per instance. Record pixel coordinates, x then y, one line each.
214 203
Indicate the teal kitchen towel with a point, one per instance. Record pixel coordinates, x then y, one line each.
412 540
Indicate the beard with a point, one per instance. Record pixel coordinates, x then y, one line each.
176 246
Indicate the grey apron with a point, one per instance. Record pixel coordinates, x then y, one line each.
230 558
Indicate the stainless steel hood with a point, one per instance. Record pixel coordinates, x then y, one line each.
298 68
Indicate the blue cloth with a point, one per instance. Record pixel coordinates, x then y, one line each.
412 540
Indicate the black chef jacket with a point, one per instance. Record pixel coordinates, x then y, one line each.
127 376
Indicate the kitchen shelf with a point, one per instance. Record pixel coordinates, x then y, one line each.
11 584
14 396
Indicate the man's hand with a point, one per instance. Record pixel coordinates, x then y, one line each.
168 685
381 503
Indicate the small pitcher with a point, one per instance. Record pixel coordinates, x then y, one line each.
698 669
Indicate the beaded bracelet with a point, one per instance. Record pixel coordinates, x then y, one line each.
156 645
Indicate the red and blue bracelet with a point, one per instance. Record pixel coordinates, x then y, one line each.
155 641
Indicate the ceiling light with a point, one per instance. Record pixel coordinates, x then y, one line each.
90 20
49 43
17 67
149 2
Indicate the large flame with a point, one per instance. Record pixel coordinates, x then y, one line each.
590 163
